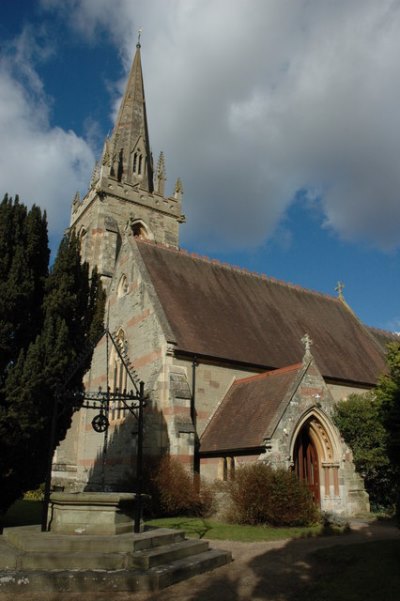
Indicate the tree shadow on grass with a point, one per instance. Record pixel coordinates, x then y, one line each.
194 528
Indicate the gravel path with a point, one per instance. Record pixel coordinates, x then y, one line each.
260 571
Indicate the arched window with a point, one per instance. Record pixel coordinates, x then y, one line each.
118 376
227 468
123 286
137 164
139 230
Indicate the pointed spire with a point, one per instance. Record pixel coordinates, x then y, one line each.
138 45
106 158
178 192
95 175
131 158
161 176
76 202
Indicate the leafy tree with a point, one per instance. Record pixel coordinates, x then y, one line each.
359 419
69 316
388 394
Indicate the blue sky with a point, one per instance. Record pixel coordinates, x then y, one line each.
280 117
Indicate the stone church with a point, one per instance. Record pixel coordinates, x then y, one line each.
238 367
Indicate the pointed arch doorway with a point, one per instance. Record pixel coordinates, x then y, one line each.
306 462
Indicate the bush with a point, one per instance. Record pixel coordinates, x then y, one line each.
35 495
261 495
174 491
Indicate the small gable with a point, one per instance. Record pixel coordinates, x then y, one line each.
250 409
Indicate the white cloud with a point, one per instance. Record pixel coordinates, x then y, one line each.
45 165
253 100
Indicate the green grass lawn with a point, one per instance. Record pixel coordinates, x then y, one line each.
25 512
363 572
205 528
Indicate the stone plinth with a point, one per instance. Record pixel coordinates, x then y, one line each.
101 513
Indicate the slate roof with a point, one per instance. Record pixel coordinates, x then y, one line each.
250 410
223 312
384 337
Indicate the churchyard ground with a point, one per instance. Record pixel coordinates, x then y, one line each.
360 566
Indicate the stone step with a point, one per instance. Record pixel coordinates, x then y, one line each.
106 560
73 561
150 558
192 566
135 580
34 561
31 539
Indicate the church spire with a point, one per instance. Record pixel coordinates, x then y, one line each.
131 159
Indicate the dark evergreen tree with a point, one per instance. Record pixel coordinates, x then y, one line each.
69 318
24 257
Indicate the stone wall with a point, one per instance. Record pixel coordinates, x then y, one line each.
133 319
105 212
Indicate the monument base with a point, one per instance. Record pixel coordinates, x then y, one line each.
103 513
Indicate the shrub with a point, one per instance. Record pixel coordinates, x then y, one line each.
175 492
35 495
261 495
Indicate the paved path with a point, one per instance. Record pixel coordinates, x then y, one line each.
260 571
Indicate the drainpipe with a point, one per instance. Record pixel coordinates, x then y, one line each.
196 458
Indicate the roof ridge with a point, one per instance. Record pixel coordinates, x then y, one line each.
383 331
238 269
267 374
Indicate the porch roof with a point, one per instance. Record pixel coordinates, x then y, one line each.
249 412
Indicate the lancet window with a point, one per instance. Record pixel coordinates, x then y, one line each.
137 163
118 376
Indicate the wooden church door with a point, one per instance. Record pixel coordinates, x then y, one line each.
306 463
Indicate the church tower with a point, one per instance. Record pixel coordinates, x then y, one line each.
125 193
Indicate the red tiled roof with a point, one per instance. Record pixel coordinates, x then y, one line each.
248 413
223 312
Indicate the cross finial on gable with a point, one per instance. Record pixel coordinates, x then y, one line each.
339 289
307 342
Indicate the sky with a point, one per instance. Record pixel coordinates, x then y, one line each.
281 117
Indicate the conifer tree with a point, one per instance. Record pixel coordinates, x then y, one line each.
68 317
24 257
